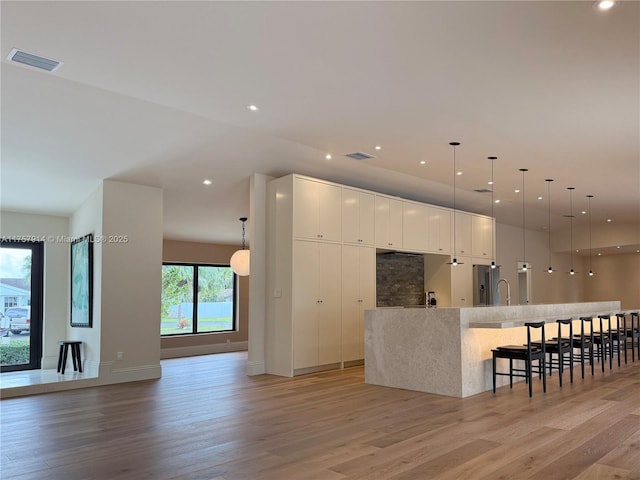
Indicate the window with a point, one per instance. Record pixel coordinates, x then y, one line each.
214 298
10 302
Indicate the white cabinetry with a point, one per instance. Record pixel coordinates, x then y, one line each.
415 218
358 213
439 230
358 295
388 229
462 285
317 210
482 237
316 304
462 235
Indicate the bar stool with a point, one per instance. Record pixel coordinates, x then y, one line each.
584 343
621 335
560 346
604 342
75 355
528 354
634 334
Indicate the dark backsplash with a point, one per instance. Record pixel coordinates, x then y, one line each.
399 280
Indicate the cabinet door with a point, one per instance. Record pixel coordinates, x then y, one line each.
305 304
382 221
462 234
439 230
366 219
395 223
357 217
358 295
415 218
462 285
317 210
351 302
481 236
330 313
329 212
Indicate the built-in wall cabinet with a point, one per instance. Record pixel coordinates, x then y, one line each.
358 295
322 240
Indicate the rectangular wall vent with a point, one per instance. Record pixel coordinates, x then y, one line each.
483 190
33 60
359 156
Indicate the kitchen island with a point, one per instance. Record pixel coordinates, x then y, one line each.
447 351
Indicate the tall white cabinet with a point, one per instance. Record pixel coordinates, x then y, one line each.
358 295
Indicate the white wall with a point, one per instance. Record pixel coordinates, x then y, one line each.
558 287
131 282
56 267
88 219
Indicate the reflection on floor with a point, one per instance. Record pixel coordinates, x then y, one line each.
28 382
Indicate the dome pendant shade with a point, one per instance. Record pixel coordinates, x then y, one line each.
240 260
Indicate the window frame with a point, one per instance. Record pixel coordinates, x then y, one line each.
194 319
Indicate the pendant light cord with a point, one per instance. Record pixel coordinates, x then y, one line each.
524 241
549 180
454 145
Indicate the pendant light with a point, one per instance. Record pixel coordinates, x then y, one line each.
571 189
493 239
524 243
591 274
549 180
240 259
454 262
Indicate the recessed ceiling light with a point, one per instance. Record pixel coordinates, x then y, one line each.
253 108
609 220
497 201
459 173
378 147
618 246
423 162
489 183
599 254
539 198
583 212
207 182
517 191
605 4
328 156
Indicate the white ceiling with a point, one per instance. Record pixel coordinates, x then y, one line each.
156 93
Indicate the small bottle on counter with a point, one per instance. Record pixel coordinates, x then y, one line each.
431 299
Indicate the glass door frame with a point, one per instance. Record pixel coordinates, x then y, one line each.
37 289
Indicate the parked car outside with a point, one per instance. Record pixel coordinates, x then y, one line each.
4 325
19 319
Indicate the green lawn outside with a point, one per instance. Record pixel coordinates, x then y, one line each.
15 351
169 326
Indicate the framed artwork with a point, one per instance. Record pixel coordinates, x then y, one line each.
82 282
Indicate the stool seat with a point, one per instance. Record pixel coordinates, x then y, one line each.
75 355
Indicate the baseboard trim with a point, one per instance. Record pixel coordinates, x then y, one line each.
178 352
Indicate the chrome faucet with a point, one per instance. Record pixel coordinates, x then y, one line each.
508 289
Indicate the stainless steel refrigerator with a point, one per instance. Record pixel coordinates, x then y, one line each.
485 285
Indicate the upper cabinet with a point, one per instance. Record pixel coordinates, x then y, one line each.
415 219
317 210
482 236
358 212
388 222
439 230
462 233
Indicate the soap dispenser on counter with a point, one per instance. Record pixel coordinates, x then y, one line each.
430 301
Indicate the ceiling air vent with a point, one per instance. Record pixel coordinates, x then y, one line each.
33 60
359 156
483 190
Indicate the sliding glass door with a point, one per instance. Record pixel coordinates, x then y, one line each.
21 276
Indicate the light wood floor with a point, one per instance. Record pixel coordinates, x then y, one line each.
205 419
